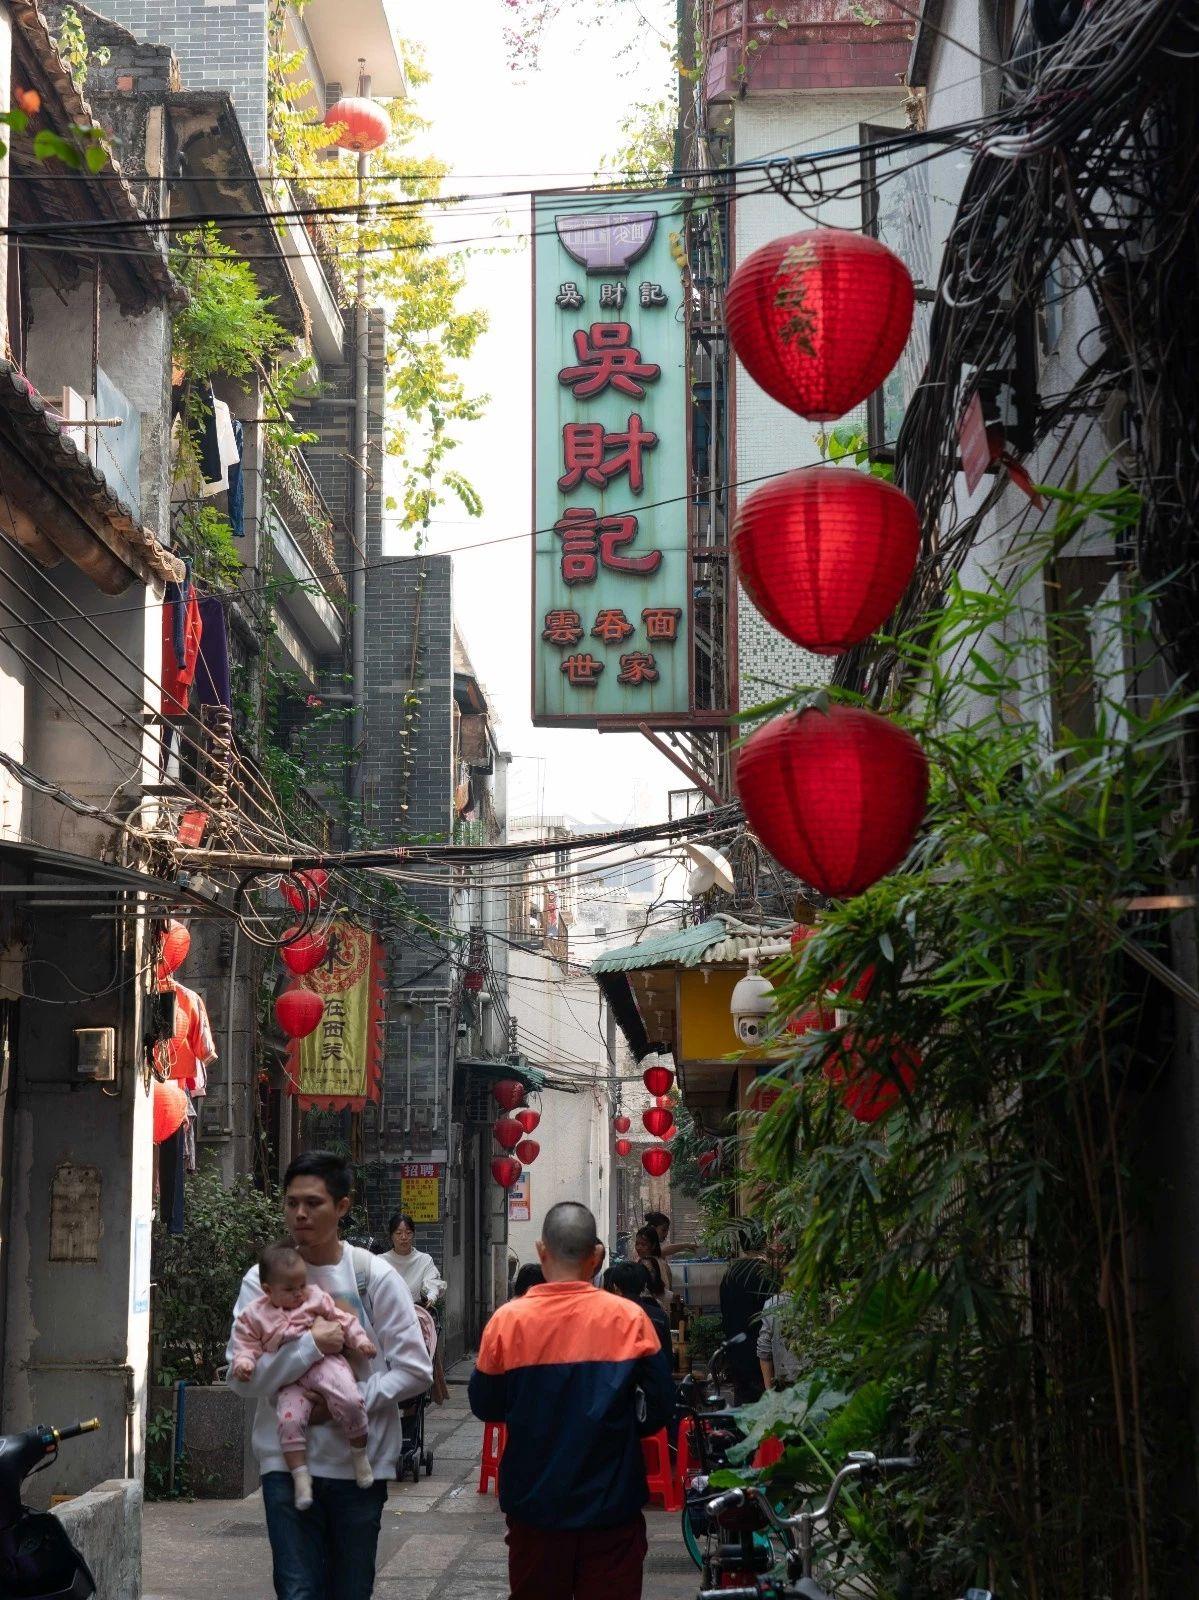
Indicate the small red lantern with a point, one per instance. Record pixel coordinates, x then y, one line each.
169 1108
298 1012
528 1118
505 1170
508 1092
305 951
819 319
528 1150
623 1146
176 944
670 1133
304 895
657 1079
825 554
836 796
508 1132
866 1093
656 1121
656 1161
362 124
622 1124
707 1160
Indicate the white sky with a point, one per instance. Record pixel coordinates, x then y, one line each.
497 133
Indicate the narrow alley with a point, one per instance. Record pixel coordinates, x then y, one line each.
441 1539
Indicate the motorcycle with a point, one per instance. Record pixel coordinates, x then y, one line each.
37 1559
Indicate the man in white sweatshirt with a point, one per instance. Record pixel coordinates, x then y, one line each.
328 1552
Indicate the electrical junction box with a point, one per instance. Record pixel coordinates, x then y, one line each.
96 1054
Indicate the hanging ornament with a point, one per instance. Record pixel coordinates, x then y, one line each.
825 554
623 1146
527 1151
169 1108
303 890
527 1117
298 1012
303 952
656 1121
657 1079
176 943
656 1161
362 125
508 1092
866 1093
505 1170
819 318
835 795
621 1123
507 1132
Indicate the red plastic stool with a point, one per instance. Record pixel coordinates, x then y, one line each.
687 1458
495 1438
659 1479
768 1452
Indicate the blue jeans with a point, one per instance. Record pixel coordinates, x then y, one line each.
328 1552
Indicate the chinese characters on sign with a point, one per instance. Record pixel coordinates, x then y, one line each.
418 1191
611 565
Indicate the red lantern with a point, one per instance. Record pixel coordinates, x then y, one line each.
298 1012
657 1079
505 1170
176 943
362 124
528 1118
305 894
825 554
169 1109
656 1121
836 796
656 1161
819 319
622 1124
508 1092
670 1133
528 1150
508 1132
707 1160
623 1146
866 1093
305 952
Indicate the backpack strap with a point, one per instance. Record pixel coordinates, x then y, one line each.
363 1266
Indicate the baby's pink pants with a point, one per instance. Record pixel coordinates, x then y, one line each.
331 1380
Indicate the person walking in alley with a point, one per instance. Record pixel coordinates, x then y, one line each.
631 1281
579 1378
327 1552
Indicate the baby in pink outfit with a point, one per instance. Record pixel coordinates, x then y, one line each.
285 1310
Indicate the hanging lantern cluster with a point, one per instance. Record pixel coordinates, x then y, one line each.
512 1132
657 1075
836 794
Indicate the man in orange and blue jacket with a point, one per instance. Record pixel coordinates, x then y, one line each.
580 1378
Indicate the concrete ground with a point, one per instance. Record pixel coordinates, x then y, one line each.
441 1540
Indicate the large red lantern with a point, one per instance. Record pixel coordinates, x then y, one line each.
825 554
508 1132
303 952
623 1146
298 1012
362 124
836 795
505 1170
656 1161
305 893
508 1092
656 1121
176 944
819 319
527 1151
169 1109
657 1079
527 1117
866 1093
622 1124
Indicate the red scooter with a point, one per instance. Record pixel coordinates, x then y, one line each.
37 1559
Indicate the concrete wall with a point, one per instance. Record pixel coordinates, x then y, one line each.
105 1526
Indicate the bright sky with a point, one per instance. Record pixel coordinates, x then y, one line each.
497 133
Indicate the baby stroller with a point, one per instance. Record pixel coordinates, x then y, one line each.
413 1455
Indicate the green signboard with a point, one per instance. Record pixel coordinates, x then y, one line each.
611 578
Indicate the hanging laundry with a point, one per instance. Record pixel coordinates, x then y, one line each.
237 487
212 670
188 1054
172 1164
181 629
216 479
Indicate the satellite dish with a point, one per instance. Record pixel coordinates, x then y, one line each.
712 870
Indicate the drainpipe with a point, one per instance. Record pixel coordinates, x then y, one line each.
361 435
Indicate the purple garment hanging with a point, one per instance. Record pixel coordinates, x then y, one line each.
212 667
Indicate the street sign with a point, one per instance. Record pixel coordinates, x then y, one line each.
611 575
520 1199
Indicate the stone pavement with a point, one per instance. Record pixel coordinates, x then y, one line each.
441 1540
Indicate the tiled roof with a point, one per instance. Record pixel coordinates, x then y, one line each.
722 940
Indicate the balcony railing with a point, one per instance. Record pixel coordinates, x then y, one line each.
802 44
298 499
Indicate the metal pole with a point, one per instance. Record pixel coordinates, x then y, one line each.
361 435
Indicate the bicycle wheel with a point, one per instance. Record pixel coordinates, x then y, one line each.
691 1542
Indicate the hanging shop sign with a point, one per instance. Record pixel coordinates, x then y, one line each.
611 579
520 1199
419 1191
336 1066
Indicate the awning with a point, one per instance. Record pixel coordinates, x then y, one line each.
722 939
484 1067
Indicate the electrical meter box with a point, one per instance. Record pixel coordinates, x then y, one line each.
96 1054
